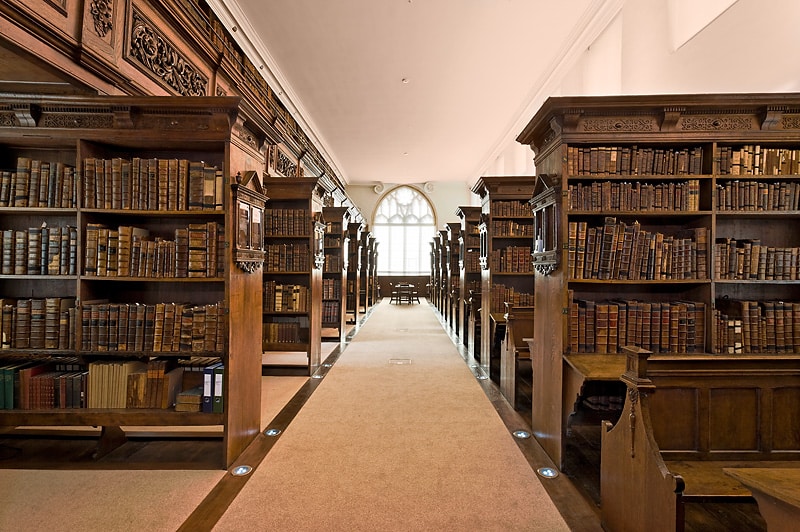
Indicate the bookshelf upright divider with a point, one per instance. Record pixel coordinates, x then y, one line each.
294 244
353 271
334 275
665 203
469 267
505 247
137 275
453 275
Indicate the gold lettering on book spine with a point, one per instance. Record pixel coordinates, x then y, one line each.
162 59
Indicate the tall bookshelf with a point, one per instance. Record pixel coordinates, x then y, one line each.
366 279
505 247
374 287
294 245
353 270
453 275
115 163
469 265
709 182
334 273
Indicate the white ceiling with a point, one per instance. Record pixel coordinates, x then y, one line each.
408 91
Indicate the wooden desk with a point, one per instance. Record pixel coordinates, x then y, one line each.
777 492
580 369
406 293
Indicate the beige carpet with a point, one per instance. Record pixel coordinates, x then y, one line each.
384 444
100 500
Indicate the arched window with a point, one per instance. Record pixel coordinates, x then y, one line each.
404 226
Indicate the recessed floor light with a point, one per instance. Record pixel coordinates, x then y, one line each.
482 377
521 434
272 432
242 470
547 472
316 376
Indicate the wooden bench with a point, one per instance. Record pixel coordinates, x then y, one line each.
515 355
686 419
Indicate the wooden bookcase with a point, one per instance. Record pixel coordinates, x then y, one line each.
688 175
374 287
469 266
353 270
453 305
92 285
443 276
334 273
505 247
366 278
294 245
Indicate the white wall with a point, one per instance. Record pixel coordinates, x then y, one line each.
445 197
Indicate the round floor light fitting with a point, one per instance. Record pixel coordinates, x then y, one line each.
547 472
241 470
272 432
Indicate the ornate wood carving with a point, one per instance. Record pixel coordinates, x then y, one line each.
60 5
715 123
248 200
791 122
102 14
546 210
620 124
162 59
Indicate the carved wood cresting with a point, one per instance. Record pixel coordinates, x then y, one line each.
162 60
102 12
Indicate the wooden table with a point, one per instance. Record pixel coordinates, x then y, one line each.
777 492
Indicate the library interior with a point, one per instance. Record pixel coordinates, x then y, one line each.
399 265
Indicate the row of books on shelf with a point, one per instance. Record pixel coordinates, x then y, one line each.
661 327
281 333
39 251
515 208
38 323
279 297
331 289
36 183
287 258
159 327
471 261
192 386
332 241
502 294
604 196
511 228
757 196
633 160
333 228
513 259
748 259
287 222
333 264
127 251
152 184
621 251
331 312
747 326
754 159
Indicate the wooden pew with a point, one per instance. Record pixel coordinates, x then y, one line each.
686 418
515 356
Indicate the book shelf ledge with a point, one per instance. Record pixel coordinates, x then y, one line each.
759 214
284 346
204 213
107 417
286 272
288 236
113 353
635 177
758 281
55 211
512 273
40 277
646 214
114 278
639 281
285 313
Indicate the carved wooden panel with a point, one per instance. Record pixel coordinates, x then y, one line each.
154 54
733 419
785 418
680 405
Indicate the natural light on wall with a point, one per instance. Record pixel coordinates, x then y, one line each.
404 225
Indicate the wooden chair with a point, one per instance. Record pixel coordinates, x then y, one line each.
395 294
